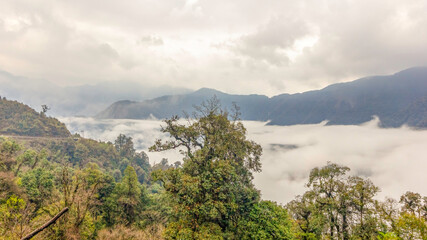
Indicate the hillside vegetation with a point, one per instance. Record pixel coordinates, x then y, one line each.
112 192
19 119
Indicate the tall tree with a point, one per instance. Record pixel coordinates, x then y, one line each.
213 189
328 183
124 145
129 196
362 192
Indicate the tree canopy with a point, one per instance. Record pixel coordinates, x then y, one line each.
212 191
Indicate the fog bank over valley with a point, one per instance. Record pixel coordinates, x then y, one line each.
394 159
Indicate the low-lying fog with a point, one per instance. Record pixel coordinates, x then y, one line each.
394 159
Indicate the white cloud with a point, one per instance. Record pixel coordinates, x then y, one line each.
394 159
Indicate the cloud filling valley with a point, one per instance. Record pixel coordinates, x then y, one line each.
394 159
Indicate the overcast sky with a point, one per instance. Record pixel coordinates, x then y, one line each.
240 46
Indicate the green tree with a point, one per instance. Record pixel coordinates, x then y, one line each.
80 190
8 150
339 207
124 146
328 183
410 227
29 158
308 216
38 185
212 191
266 220
130 197
14 218
362 192
412 203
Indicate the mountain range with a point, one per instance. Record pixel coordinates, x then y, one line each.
396 99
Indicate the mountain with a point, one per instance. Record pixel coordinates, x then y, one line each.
396 99
19 119
252 107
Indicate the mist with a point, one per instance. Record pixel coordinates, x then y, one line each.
78 100
394 159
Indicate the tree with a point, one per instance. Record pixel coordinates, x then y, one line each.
14 217
308 216
388 213
79 191
412 203
45 108
411 223
29 158
212 190
38 185
267 220
329 186
339 207
124 146
130 196
362 192
8 149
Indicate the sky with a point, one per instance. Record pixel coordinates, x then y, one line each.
393 159
241 46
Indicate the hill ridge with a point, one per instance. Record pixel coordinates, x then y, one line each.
19 119
387 96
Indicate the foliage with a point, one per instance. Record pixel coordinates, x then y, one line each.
266 220
209 195
38 185
130 197
344 207
212 191
121 232
19 119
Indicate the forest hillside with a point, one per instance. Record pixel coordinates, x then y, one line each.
19 119
110 191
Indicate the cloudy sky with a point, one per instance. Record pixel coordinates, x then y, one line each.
240 46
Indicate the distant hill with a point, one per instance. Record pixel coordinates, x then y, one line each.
252 107
396 99
19 119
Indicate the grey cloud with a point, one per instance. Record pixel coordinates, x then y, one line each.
271 40
76 42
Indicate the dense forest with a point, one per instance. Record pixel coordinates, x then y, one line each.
112 192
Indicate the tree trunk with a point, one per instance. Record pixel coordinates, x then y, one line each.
46 225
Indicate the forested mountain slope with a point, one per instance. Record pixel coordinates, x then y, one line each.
395 99
19 119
